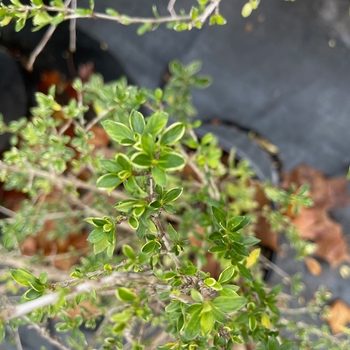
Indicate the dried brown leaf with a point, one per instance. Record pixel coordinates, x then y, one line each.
313 266
339 316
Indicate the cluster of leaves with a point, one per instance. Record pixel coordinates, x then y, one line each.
150 253
58 11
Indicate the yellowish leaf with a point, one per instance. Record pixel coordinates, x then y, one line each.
247 10
253 257
265 320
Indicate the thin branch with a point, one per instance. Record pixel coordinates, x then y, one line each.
7 212
40 47
116 278
43 333
275 268
42 42
297 311
17 340
164 237
170 8
209 10
73 29
314 330
61 181
124 19
98 118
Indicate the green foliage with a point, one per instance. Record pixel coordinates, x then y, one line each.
153 226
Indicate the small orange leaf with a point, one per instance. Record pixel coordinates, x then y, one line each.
313 266
339 316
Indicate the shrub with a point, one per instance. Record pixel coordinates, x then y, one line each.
159 209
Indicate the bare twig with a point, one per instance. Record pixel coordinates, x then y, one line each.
116 278
42 42
60 180
314 330
275 268
40 47
6 211
170 8
73 29
165 240
17 340
43 332
98 118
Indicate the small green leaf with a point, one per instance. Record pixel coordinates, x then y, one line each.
23 277
32 294
219 217
144 28
207 322
173 306
156 123
125 205
247 10
147 144
193 325
218 249
100 246
250 240
237 223
117 131
227 304
226 274
240 249
173 235
220 20
149 247
172 134
176 67
251 322
141 160
158 94
159 176
111 165
196 296
109 181
112 12
133 222
172 194
180 27
218 315
273 344
125 294
171 161
137 122
2 331
244 272
128 252
124 162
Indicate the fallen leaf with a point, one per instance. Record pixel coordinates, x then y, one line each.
313 266
314 223
100 139
327 193
339 316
